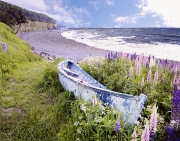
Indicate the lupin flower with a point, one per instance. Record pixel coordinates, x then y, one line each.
153 121
134 135
147 64
99 65
83 107
136 61
149 76
176 70
94 100
152 62
131 72
143 60
109 56
117 125
133 56
165 63
142 82
138 68
175 114
156 77
175 79
169 131
115 55
145 134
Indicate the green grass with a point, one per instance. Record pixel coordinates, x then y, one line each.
28 94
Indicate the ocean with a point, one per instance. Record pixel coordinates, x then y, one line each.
161 43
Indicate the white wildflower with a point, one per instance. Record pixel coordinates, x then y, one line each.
102 108
76 123
98 119
80 117
79 130
83 107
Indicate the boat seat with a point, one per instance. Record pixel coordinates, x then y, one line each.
70 71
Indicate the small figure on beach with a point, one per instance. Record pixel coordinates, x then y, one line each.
4 47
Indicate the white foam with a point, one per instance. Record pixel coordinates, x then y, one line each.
158 50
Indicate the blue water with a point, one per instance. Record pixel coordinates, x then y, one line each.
141 35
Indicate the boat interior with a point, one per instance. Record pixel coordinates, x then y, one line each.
75 71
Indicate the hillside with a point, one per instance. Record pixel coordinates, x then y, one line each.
24 20
29 87
9 14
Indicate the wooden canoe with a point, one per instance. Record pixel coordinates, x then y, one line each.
76 80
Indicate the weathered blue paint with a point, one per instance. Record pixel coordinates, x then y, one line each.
76 80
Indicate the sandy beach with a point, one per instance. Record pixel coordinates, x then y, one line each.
53 43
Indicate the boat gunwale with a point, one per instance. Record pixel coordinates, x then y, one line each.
86 84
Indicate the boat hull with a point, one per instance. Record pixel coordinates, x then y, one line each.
130 106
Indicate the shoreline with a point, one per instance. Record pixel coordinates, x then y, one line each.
169 51
52 44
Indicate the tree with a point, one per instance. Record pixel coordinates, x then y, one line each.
20 19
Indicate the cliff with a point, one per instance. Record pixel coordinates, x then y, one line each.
33 26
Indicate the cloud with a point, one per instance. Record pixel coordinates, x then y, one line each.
60 10
99 3
126 19
70 16
38 5
95 4
167 10
109 2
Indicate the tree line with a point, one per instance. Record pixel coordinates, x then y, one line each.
15 15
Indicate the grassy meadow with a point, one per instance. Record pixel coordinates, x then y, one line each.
34 106
29 92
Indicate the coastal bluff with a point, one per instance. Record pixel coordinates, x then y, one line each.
34 26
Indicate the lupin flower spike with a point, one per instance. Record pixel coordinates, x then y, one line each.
142 82
94 100
153 119
117 125
145 134
149 76
156 77
131 72
151 62
138 68
134 135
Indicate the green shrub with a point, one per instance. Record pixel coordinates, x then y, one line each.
50 82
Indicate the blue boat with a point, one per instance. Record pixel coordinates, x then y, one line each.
76 80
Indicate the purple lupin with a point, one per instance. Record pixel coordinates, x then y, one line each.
117 125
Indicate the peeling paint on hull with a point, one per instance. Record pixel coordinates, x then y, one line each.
72 78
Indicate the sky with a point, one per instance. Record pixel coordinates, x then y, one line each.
107 13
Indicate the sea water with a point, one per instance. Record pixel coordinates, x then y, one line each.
161 43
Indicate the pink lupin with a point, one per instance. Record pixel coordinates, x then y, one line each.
138 68
153 119
142 82
94 100
131 72
134 135
175 79
156 77
145 134
149 76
